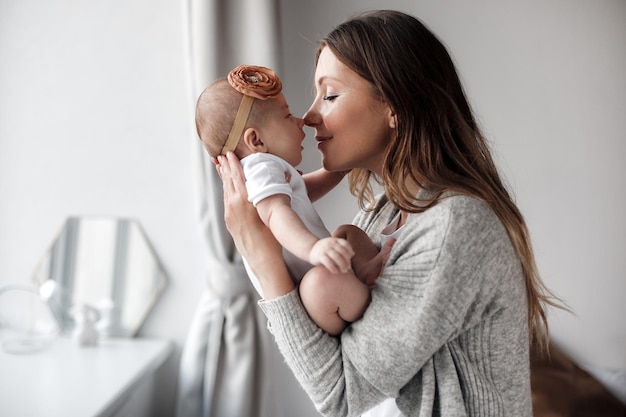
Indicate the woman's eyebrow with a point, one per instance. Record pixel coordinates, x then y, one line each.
323 78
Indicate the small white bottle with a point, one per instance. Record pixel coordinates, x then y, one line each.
85 318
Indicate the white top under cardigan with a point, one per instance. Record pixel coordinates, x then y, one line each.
446 332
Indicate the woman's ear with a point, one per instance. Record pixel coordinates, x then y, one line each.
393 119
252 140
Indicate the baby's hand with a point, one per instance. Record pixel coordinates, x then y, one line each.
333 253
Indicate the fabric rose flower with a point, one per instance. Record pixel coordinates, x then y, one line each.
254 81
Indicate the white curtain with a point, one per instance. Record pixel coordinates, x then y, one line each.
225 370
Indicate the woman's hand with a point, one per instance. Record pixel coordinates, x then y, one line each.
239 214
373 269
252 238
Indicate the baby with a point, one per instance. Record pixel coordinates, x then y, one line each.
248 114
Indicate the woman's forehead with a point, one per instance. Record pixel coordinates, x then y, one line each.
330 70
329 67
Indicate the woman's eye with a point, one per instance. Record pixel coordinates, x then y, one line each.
330 97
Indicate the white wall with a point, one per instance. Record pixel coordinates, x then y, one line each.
95 119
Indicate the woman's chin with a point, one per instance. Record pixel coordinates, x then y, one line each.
328 165
334 163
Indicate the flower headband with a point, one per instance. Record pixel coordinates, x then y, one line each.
253 82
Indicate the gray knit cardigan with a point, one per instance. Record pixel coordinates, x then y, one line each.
446 332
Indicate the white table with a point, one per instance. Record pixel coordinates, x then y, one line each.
65 380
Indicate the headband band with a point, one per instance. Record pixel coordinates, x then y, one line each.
240 122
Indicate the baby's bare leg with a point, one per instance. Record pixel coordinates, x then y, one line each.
333 300
365 251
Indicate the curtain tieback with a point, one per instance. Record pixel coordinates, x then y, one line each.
228 281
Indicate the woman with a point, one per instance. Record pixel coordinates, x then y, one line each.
459 302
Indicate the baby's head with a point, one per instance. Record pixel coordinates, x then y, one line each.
228 108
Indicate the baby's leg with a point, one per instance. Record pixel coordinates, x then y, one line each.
363 263
333 300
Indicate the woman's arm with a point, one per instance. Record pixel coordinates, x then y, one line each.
315 357
320 182
247 230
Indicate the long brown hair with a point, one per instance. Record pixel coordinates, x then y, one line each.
438 142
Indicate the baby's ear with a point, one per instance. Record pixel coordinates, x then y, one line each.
252 140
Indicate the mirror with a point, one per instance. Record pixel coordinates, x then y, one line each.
106 263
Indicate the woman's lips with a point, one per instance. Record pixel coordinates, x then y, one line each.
321 140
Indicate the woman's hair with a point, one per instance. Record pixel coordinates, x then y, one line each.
438 143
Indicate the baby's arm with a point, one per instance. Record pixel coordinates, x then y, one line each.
320 182
333 253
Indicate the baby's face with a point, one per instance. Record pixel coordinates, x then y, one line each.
282 131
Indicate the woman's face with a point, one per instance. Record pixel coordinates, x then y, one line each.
352 125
